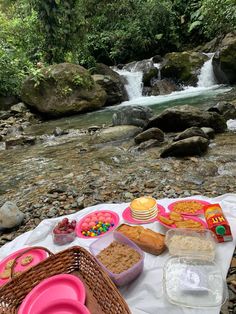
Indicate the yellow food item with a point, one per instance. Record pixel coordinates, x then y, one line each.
5 274
175 216
26 260
9 264
143 203
190 207
165 220
189 224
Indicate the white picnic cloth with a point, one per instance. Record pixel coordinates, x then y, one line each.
145 294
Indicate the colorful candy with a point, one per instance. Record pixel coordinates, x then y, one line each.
97 224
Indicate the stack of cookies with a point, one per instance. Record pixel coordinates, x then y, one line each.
143 208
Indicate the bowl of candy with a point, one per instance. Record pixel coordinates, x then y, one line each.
64 232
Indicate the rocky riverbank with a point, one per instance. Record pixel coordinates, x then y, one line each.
63 171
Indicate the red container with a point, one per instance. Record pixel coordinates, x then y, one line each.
217 222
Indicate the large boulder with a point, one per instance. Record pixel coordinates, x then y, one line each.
196 145
224 65
10 216
179 118
63 89
146 67
226 109
132 115
183 67
112 83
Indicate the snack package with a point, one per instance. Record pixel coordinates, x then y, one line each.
217 222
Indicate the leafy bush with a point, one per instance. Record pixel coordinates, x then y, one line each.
214 17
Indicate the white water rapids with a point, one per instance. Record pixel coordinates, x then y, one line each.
206 86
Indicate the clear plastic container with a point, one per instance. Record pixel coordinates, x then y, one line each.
127 276
185 242
191 278
194 283
63 238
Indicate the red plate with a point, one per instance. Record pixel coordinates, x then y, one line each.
197 212
37 254
52 289
64 306
127 216
88 218
173 226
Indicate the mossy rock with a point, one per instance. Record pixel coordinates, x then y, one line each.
224 64
63 89
111 82
183 67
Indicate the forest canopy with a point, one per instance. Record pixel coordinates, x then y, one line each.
112 32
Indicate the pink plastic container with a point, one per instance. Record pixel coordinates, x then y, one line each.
128 275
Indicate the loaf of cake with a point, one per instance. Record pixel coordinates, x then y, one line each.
149 241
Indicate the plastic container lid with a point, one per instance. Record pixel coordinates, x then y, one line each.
191 278
128 275
194 283
196 244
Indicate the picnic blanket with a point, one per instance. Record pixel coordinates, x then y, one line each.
144 295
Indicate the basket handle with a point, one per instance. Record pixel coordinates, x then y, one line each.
22 253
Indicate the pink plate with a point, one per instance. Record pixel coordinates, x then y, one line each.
37 254
198 212
89 218
64 306
127 216
173 226
55 288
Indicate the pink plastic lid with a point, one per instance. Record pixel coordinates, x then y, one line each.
53 289
63 306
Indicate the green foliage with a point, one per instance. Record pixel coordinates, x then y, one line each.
61 24
217 17
121 31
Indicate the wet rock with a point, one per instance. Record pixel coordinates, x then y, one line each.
18 108
10 216
179 118
111 82
148 144
132 115
223 62
4 115
20 140
117 133
210 133
194 131
152 133
183 67
162 87
146 67
195 145
94 128
226 109
58 132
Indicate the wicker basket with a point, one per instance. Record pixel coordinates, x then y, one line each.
102 295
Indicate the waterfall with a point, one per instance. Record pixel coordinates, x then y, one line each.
133 82
158 66
206 77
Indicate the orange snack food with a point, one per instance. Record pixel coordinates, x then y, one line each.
188 207
192 224
175 216
165 220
